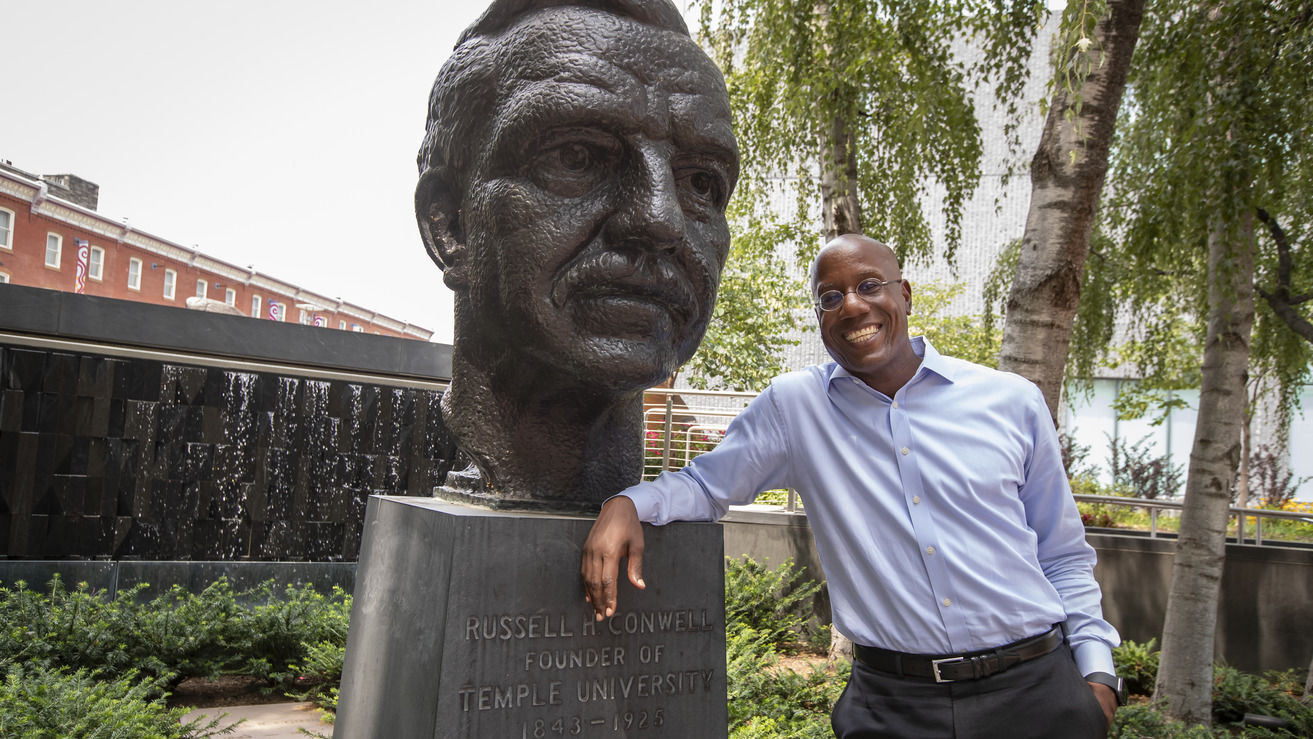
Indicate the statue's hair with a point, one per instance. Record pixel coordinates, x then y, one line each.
455 105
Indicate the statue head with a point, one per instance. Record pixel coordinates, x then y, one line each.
575 170
574 176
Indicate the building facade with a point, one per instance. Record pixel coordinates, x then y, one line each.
51 236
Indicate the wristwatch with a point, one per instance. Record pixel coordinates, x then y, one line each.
1117 684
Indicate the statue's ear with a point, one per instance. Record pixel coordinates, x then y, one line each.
437 211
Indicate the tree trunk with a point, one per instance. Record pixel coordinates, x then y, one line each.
839 204
843 215
1064 193
841 210
1185 672
1308 684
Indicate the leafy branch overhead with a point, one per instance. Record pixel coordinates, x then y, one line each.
868 102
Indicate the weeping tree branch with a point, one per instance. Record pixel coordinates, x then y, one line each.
1280 300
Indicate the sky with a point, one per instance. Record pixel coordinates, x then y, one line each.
275 133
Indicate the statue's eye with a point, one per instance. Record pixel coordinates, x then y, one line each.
571 163
703 184
574 157
702 189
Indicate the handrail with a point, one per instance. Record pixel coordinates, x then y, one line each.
1154 505
667 455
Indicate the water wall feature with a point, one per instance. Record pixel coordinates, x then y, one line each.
130 431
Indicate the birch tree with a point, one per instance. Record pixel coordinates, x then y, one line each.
1092 60
1216 134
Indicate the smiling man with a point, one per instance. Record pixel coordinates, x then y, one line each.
953 551
574 178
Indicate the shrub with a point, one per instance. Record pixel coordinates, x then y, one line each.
39 702
1270 480
1144 721
177 634
765 697
1135 469
1237 693
1137 663
281 628
775 603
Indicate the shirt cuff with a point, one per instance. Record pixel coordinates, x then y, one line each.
1094 656
646 505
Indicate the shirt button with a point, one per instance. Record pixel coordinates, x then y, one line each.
905 451
895 404
947 602
929 550
916 500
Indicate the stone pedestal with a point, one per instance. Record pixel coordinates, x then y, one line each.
472 623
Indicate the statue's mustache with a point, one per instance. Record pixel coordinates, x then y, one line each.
628 272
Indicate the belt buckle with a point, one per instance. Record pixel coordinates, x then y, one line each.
934 667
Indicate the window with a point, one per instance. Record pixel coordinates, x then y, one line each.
54 249
277 311
255 306
356 327
96 263
202 287
134 274
4 278
341 324
306 318
230 297
6 229
170 284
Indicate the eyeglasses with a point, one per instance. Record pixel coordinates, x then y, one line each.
868 290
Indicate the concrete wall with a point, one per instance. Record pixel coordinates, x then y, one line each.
1263 613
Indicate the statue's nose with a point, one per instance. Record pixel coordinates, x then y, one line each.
650 214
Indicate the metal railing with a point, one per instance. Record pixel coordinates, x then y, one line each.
681 424
1155 507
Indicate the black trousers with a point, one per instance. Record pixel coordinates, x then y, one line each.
1045 698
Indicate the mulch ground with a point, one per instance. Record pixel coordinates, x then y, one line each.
228 690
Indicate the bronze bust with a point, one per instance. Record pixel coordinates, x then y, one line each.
577 163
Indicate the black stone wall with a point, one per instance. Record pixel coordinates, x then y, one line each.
133 458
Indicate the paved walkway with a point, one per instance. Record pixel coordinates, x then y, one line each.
269 720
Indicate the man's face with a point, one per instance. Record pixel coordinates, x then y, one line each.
595 211
866 337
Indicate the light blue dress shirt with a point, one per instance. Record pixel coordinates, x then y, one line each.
942 515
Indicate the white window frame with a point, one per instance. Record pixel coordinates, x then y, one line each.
202 289
230 296
96 263
170 284
58 242
7 234
134 273
4 278
256 305
341 324
357 328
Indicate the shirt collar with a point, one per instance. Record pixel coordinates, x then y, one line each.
931 361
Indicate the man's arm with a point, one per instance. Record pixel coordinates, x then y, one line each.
616 533
751 458
1066 557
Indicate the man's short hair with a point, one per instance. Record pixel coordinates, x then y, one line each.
464 91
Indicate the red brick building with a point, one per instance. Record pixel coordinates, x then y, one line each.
52 237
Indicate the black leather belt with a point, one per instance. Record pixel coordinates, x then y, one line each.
969 666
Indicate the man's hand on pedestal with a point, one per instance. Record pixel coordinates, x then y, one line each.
616 533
